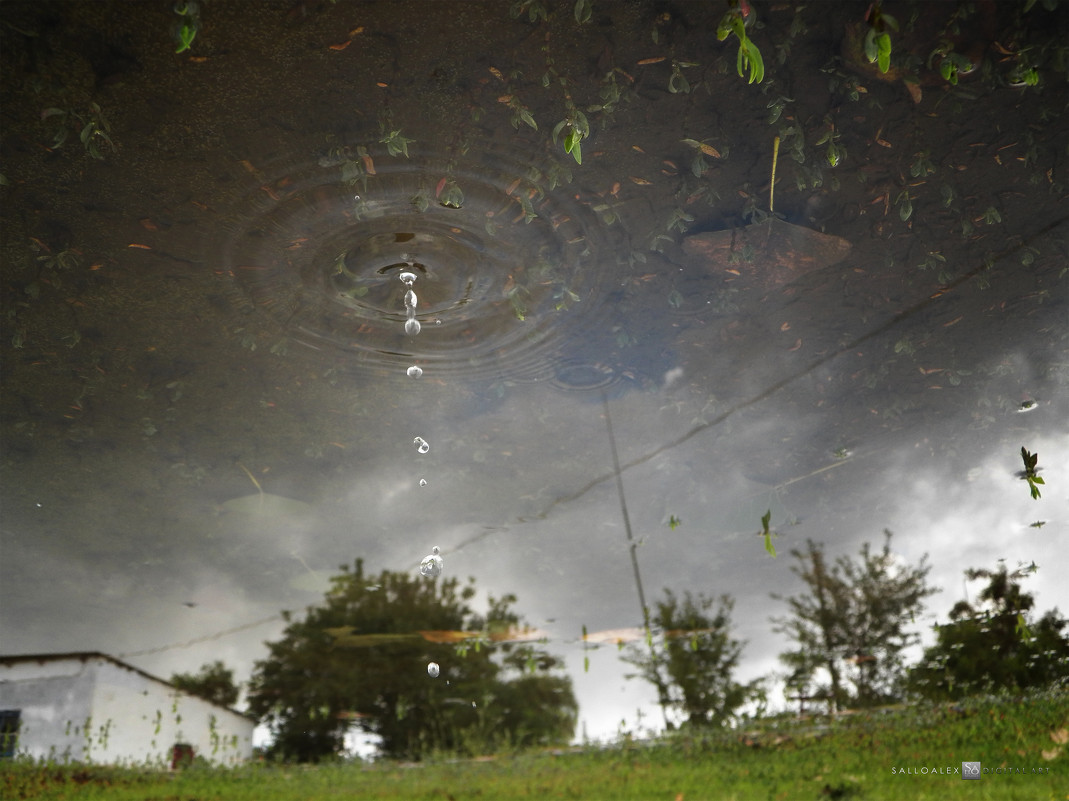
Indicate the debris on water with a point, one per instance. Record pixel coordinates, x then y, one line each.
770 254
432 565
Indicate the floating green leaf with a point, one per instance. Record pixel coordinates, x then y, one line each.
572 145
905 206
749 57
766 519
877 42
186 34
189 12
1031 471
396 144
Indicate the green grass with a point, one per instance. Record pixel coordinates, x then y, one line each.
791 760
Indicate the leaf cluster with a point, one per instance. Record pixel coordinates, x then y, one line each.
877 42
94 131
188 12
576 128
749 56
1031 472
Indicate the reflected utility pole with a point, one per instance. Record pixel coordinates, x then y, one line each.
662 689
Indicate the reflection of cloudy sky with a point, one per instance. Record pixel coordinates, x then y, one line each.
493 503
521 497
868 396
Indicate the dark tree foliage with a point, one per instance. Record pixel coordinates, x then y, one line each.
214 682
995 644
693 658
852 624
361 658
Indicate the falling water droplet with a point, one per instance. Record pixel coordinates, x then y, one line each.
421 444
423 482
433 670
410 299
412 327
415 371
437 320
408 278
431 566
435 551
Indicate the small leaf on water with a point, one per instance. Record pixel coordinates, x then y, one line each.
769 546
883 56
871 50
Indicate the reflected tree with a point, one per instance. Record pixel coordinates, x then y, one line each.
852 624
693 658
361 659
214 682
994 644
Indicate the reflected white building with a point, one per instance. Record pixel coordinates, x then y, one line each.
90 707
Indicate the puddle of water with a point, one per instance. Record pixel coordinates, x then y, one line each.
838 389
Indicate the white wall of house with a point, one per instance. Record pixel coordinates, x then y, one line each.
92 708
54 700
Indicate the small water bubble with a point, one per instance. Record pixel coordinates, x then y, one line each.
412 327
437 320
408 278
431 566
423 482
435 551
421 444
410 299
414 371
433 670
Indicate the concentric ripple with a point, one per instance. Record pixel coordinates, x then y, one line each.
509 261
